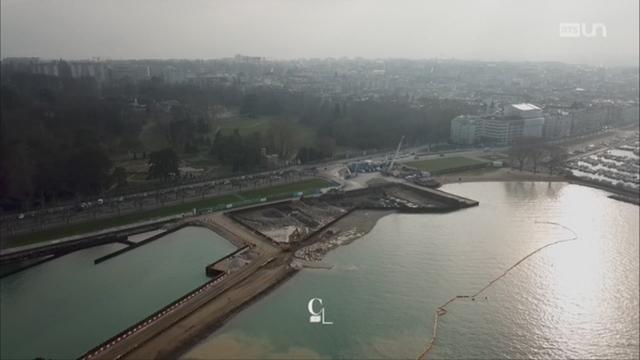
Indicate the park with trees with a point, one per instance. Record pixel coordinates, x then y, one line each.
66 138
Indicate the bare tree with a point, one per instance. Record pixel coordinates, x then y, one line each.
535 155
519 151
281 136
527 148
557 156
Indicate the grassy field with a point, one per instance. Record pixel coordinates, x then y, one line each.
244 125
304 135
304 186
445 164
152 138
309 185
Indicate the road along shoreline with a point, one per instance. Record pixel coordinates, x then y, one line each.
176 331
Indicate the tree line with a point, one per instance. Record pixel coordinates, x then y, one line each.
61 136
55 137
534 152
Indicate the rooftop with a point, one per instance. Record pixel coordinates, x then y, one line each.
525 107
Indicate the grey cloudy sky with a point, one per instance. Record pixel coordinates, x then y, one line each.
465 29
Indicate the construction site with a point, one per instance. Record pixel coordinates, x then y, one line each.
290 223
274 241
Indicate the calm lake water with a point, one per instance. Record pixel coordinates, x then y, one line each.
64 307
577 299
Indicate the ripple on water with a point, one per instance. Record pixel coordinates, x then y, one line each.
576 299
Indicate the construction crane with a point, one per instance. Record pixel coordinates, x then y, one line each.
349 173
393 160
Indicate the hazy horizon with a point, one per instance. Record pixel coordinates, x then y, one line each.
487 30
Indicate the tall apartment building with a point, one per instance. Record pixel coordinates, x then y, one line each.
465 128
515 121
558 124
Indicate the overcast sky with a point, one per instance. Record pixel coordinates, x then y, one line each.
464 29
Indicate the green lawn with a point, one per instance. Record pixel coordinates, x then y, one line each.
244 125
304 135
445 164
304 186
99 224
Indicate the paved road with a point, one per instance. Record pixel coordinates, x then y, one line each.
152 330
179 337
114 206
178 328
61 215
111 208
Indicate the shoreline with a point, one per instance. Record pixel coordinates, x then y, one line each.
363 220
187 333
497 175
177 336
181 332
189 330
509 175
213 326
348 229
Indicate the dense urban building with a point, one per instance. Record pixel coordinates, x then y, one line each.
558 124
500 128
529 115
527 120
465 129
495 98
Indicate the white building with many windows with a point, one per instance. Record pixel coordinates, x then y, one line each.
465 129
515 121
533 119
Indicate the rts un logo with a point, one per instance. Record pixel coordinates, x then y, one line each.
317 312
582 30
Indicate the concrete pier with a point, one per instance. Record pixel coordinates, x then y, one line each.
179 325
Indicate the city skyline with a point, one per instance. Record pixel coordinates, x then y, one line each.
493 30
